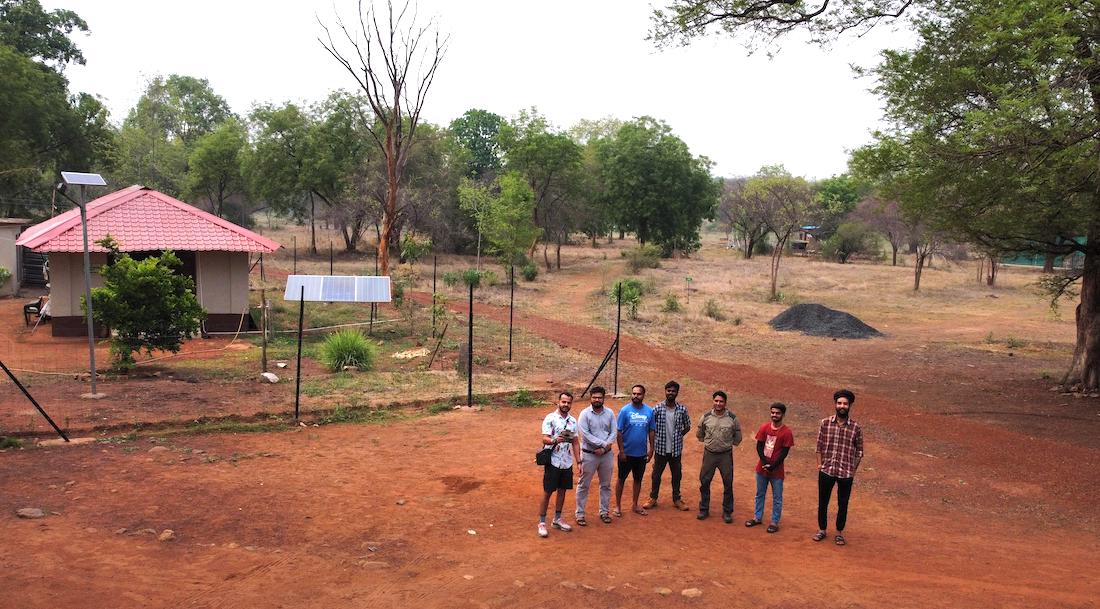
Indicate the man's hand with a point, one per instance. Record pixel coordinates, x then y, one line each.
622 456
649 456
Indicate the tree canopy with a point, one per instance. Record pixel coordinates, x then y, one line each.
657 188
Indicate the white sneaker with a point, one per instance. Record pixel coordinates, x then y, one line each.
560 524
542 530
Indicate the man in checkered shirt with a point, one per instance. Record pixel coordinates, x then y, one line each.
839 451
673 423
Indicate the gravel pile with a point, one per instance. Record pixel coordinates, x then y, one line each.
818 320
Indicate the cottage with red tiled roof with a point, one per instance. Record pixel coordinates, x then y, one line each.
146 222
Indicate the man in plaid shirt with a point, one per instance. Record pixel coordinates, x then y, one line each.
673 423
839 451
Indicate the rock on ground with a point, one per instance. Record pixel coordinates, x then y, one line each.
30 513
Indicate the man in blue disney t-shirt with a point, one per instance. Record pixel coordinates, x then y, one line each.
635 439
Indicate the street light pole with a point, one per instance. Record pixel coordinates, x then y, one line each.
84 180
88 291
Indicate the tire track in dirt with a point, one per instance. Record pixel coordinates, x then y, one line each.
1004 453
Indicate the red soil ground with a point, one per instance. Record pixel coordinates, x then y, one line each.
994 509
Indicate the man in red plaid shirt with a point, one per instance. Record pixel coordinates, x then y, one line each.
839 451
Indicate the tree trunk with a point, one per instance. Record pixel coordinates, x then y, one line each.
991 272
750 245
389 209
918 268
777 255
1048 263
312 225
622 234
894 247
546 257
1084 371
557 254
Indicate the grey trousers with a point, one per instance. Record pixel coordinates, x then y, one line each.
591 463
723 462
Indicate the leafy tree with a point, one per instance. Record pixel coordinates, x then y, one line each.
147 303
738 214
275 169
552 164
44 36
477 131
505 216
758 22
849 239
655 187
884 217
161 131
44 128
394 67
214 171
783 202
836 198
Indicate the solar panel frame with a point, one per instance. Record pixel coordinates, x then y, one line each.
338 288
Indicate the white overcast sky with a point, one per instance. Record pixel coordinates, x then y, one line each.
572 59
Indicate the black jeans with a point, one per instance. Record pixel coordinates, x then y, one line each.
825 484
659 462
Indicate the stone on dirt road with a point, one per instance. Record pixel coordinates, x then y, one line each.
269 377
663 591
30 513
159 449
691 593
166 535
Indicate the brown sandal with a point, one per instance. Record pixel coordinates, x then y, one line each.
605 518
581 522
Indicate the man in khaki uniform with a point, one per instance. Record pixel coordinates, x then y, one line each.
719 431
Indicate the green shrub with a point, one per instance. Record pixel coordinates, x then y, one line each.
522 399
632 292
5 275
672 304
762 248
414 249
6 443
850 239
529 271
452 278
348 348
712 310
439 408
1014 343
646 256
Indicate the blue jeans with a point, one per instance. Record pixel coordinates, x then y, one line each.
762 483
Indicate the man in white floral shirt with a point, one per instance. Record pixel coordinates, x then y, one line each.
559 432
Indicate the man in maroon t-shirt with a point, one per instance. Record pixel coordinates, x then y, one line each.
773 443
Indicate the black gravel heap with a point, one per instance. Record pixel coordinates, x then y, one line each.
818 320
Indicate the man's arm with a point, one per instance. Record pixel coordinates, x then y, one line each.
857 441
782 455
760 451
736 431
820 443
652 443
687 422
701 431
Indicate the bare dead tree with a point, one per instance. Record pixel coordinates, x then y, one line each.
394 66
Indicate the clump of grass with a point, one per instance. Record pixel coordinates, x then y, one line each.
737 320
1015 343
348 348
672 304
989 340
647 256
439 408
6 443
712 310
354 414
522 399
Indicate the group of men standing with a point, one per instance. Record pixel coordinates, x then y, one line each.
641 434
